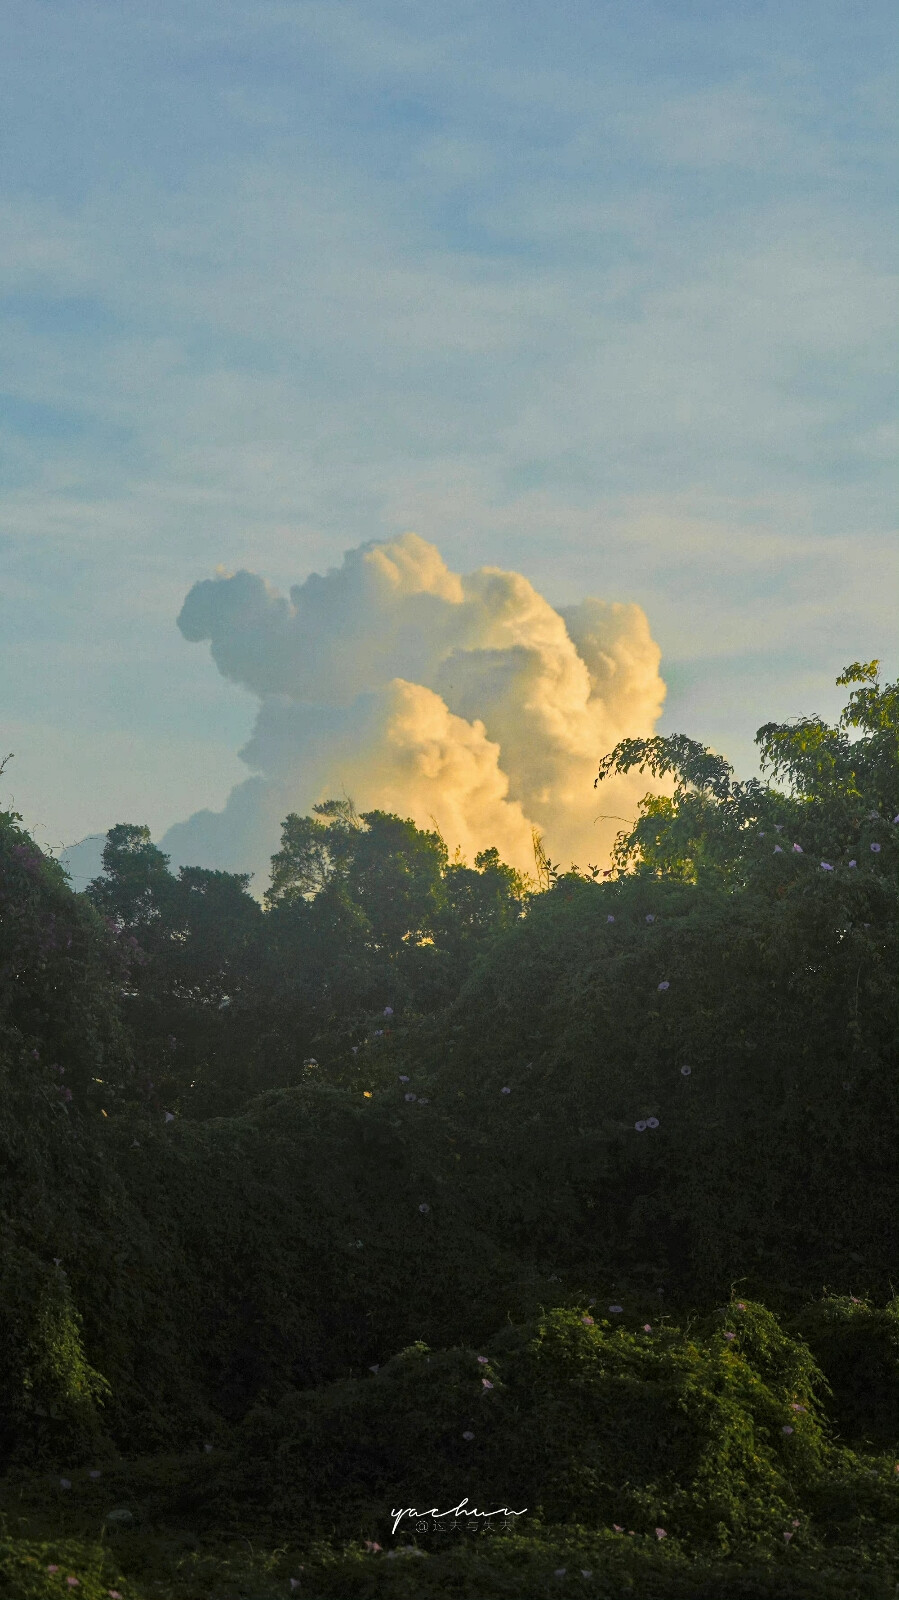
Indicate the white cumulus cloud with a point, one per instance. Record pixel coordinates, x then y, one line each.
465 701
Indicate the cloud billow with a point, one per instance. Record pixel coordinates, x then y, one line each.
465 701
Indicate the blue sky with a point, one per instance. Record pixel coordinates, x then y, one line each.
602 293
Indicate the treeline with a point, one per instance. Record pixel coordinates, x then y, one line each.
251 1151
363 915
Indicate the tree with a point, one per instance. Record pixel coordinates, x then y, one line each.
842 792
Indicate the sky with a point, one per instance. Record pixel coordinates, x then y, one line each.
603 295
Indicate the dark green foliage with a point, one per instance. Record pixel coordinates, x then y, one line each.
61 973
50 1397
572 1418
248 1153
857 1346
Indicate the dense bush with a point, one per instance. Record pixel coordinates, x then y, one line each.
713 1434
250 1152
856 1345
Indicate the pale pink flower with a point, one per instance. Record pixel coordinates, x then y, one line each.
797 849
661 1534
483 1360
617 1528
53 1567
786 1429
486 1384
588 1322
73 1582
647 1327
730 1336
370 1544
114 1594
788 1536
796 1407
741 1305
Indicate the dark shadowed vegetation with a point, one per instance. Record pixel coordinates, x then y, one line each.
410 1180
